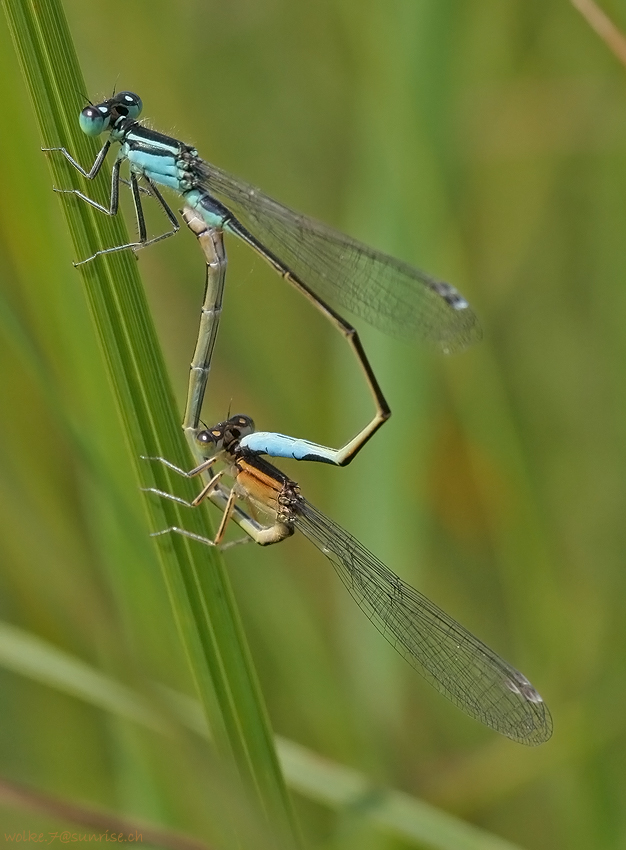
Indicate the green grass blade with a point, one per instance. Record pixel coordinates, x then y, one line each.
197 584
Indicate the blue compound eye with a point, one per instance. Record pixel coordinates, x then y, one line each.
94 120
131 102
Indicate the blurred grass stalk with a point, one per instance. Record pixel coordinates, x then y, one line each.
604 26
197 584
322 780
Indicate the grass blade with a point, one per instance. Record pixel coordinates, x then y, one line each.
197 584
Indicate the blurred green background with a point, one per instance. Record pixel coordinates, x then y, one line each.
486 143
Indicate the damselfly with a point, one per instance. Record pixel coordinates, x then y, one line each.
455 662
319 261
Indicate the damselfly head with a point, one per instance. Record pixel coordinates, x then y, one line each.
96 118
224 436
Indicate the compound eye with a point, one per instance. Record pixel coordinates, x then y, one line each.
241 425
131 102
94 120
210 441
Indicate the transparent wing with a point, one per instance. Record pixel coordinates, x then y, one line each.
388 293
455 662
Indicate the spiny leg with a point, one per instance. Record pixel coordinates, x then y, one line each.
112 209
136 190
219 496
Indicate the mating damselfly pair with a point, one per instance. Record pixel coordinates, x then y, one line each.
397 298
